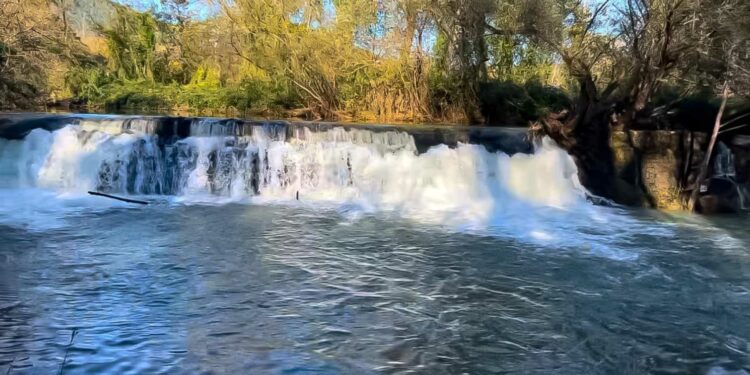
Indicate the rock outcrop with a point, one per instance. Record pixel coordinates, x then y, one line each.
662 166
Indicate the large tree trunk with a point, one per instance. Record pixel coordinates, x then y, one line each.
590 147
585 134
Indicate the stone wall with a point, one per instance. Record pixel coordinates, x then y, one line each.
663 165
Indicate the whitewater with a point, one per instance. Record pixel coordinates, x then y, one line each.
356 169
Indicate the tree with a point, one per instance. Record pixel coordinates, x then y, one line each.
721 33
131 40
35 45
617 73
462 26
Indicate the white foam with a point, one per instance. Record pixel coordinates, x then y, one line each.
536 198
358 168
41 209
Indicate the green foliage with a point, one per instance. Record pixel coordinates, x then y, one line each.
204 90
87 82
138 95
367 61
132 41
143 95
261 94
548 98
34 50
469 61
508 103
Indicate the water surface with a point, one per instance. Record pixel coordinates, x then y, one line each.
280 249
175 288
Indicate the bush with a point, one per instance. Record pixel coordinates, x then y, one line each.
547 98
86 83
508 103
138 95
199 95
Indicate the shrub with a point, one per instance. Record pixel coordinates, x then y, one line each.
508 103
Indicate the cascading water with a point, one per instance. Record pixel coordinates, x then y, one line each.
369 170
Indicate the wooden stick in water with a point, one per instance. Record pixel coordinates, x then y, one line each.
117 198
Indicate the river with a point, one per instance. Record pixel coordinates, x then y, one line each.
348 251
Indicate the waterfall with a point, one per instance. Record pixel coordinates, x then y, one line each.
371 170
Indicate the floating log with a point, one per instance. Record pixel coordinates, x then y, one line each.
117 198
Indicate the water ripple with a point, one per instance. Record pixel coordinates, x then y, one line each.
287 289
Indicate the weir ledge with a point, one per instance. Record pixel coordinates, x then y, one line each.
657 165
510 140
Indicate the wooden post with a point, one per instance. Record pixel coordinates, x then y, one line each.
707 159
